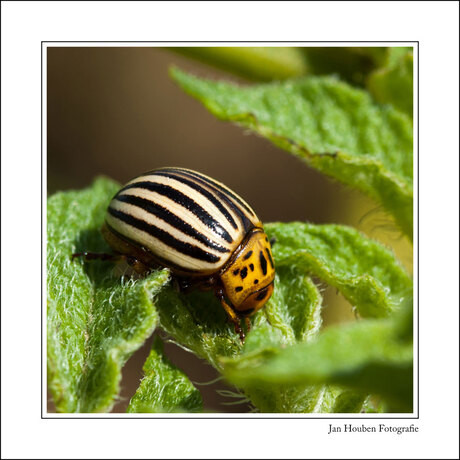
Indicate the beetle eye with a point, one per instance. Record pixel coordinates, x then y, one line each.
256 301
262 294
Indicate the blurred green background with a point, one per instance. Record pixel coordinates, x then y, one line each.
115 112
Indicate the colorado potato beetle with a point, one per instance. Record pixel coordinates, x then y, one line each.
207 235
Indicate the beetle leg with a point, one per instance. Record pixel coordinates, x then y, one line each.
248 324
136 264
207 284
186 285
272 241
182 284
232 316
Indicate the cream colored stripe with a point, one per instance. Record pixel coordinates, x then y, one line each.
161 249
251 217
181 213
141 214
211 188
185 214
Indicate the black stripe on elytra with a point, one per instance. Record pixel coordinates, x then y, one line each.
165 237
224 196
225 190
161 261
244 273
179 176
270 258
221 193
238 288
184 201
246 223
247 255
263 262
235 207
170 218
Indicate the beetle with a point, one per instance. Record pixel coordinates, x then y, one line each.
207 235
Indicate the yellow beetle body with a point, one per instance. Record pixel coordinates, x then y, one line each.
248 279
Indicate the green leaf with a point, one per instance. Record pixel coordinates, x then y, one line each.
394 54
164 388
363 270
95 320
377 54
366 356
349 402
351 64
370 277
254 63
198 321
293 399
333 127
393 84
293 314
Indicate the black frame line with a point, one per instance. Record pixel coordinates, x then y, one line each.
46 416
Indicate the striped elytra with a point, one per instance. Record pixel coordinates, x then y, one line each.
207 235
188 221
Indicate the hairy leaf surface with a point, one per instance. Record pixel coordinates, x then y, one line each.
393 83
366 273
332 126
164 388
368 356
95 320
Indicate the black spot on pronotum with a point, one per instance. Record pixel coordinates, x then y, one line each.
263 262
270 257
235 272
244 273
238 288
256 281
251 266
262 294
247 255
